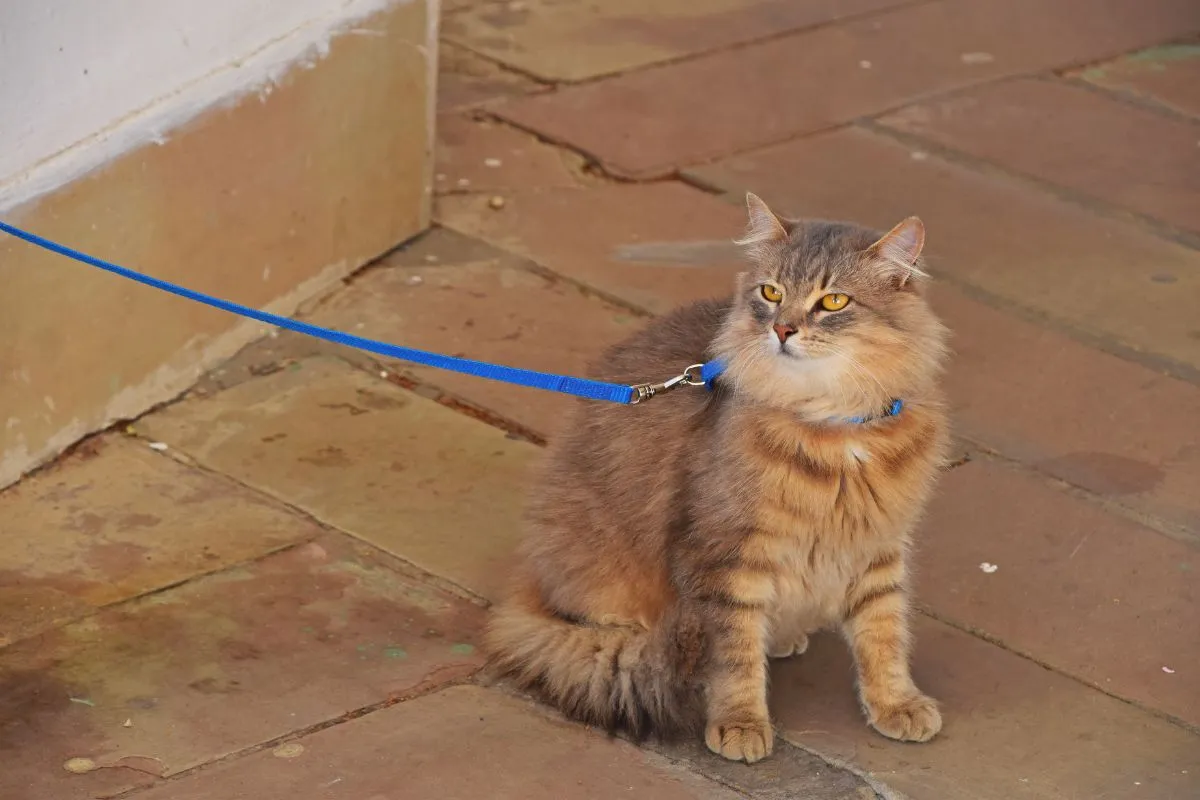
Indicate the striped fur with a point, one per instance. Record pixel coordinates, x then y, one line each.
674 546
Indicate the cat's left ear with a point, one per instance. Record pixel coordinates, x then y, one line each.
899 250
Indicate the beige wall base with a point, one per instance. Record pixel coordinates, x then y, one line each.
268 201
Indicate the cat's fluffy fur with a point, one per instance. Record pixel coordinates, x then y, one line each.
674 546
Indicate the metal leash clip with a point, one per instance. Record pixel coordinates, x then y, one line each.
692 376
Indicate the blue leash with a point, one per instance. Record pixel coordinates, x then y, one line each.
695 375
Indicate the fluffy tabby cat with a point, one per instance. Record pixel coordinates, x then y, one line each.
672 547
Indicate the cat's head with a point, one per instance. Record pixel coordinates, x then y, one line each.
831 318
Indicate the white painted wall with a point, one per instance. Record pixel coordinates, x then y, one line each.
81 81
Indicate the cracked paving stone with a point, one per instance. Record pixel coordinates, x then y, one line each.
466 80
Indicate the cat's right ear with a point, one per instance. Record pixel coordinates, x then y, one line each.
899 250
763 228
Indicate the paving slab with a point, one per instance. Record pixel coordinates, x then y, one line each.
1002 236
482 303
574 233
480 155
649 123
463 743
465 80
570 40
1167 74
1087 592
222 663
1097 421
1101 147
415 478
1013 730
114 520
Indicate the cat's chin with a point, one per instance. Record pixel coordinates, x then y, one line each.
804 359
805 367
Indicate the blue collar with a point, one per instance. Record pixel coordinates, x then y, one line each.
892 410
713 369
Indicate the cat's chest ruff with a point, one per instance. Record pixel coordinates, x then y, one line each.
819 465
835 479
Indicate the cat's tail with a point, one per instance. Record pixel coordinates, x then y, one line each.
612 676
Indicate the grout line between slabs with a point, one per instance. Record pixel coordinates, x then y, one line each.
993 169
657 747
502 66
684 58
403 565
1163 527
389 559
996 641
661 173
421 690
1102 342
196 576
1125 97
591 161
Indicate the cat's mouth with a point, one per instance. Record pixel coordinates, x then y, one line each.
793 349
807 353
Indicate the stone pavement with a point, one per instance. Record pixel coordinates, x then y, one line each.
273 588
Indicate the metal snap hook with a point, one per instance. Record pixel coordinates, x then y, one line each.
692 376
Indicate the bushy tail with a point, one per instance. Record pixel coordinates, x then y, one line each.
616 677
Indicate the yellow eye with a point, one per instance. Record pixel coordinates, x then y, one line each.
771 294
835 302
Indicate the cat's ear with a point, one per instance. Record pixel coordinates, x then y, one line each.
763 228
899 250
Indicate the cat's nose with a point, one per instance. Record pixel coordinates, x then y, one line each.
783 332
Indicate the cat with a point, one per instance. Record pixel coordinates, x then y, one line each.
673 546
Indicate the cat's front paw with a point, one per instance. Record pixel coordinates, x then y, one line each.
743 740
916 719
